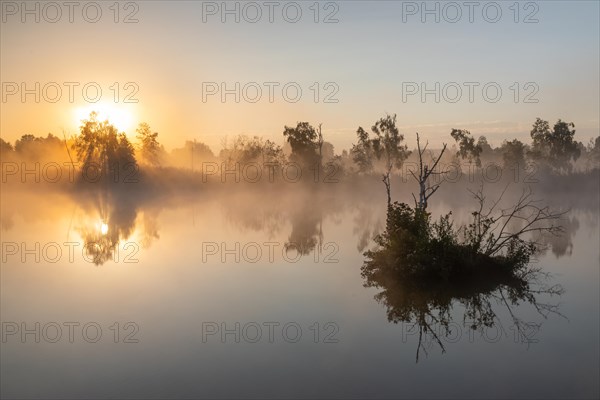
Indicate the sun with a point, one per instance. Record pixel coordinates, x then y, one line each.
120 116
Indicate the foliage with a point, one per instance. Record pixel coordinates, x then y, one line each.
484 145
466 145
304 141
386 145
150 150
35 147
5 146
412 246
555 148
425 267
362 152
593 149
100 143
246 149
191 155
513 153
379 149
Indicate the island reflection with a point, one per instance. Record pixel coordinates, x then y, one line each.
429 307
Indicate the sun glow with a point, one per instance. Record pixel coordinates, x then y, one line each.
119 116
103 228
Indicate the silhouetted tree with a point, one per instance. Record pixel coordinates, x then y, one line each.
22 143
100 143
484 145
245 149
497 232
327 151
38 147
362 152
426 190
125 154
593 149
320 142
555 148
191 155
5 146
150 150
272 153
513 153
386 145
467 147
304 141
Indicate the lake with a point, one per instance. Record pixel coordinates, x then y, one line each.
258 293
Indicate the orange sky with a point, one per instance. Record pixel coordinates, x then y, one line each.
169 58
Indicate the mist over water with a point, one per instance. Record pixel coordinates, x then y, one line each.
299 199
203 283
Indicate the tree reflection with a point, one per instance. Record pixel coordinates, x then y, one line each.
367 225
112 218
562 245
307 230
430 306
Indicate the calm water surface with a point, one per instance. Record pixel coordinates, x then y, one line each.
262 296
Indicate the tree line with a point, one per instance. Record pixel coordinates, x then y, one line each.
378 150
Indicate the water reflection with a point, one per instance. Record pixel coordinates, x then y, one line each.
103 219
562 245
366 226
432 310
307 230
430 307
110 218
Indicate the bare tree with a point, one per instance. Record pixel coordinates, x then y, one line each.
425 189
320 142
490 234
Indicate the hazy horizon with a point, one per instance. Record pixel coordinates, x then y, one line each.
299 199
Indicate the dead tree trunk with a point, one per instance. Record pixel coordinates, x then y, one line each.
425 190
320 145
386 182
